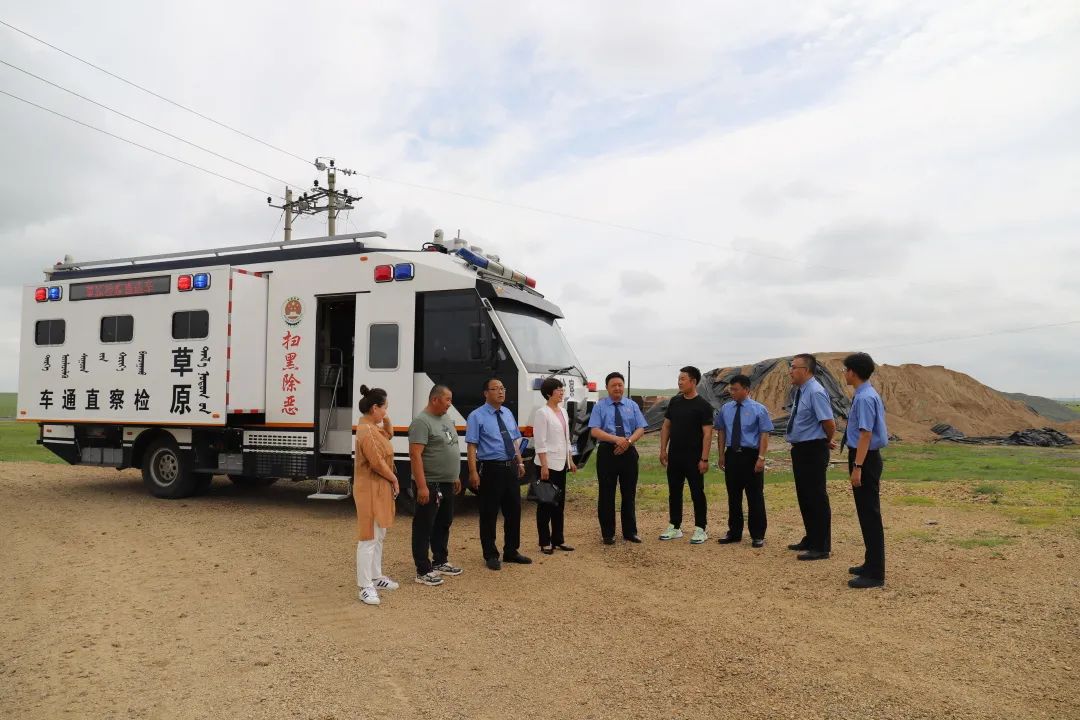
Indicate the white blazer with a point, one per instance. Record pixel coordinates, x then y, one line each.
551 437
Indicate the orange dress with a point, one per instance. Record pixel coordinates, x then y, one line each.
373 493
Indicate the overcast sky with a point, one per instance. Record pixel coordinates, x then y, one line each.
811 176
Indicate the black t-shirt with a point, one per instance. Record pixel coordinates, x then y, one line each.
688 420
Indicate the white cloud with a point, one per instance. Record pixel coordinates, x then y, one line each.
938 139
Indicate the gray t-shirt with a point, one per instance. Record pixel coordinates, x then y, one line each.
442 456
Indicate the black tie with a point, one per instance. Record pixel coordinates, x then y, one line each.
507 442
736 428
620 430
794 409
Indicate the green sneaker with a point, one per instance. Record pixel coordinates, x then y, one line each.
672 533
699 536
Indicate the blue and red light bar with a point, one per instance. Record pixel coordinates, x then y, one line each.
389 273
45 294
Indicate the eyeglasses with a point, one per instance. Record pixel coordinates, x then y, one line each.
798 367
497 388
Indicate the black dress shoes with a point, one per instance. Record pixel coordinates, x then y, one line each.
564 547
857 569
801 546
728 540
814 555
758 543
493 564
861 582
609 541
633 539
517 558
548 550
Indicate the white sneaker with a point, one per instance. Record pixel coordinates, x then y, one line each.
432 579
385 583
672 533
699 536
368 596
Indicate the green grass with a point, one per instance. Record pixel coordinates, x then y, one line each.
916 500
1030 486
7 404
983 539
18 442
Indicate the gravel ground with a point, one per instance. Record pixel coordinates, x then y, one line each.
243 605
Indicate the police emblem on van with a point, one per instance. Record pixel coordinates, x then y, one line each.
292 311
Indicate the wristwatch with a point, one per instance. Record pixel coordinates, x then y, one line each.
858 466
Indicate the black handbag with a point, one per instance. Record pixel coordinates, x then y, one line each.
546 493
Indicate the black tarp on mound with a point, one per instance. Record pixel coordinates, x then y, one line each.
1032 437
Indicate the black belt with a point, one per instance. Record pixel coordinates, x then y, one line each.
500 463
808 442
742 448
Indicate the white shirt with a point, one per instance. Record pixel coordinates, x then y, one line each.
552 437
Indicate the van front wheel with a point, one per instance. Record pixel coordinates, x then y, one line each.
167 472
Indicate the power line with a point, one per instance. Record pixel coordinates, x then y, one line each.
993 333
494 201
148 125
151 92
978 335
132 142
472 196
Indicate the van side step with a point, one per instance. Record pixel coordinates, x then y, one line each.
322 487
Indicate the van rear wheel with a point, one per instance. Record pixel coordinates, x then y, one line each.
167 471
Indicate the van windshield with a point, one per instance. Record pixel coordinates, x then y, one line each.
538 339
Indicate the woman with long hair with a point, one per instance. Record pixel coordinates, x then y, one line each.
375 487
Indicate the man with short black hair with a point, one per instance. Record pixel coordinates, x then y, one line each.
495 467
866 435
685 445
810 431
435 459
742 441
617 424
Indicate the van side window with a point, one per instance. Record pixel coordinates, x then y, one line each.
49 332
117 328
190 324
383 346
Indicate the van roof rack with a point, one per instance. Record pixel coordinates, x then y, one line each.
218 252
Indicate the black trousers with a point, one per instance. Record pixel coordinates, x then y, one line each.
809 464
616 471
868 507
739 476
499 491
685 470
431 528
550 518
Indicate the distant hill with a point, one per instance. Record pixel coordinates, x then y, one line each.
1046 407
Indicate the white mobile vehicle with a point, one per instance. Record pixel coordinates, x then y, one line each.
247 361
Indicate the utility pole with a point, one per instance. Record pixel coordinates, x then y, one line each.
288 213
331 209
308 203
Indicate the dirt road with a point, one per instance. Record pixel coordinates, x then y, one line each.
243 605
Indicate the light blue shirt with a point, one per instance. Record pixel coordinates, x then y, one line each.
603 416
482 430
814 407
867 413
754 421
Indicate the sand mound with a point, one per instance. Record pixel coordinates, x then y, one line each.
916 397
